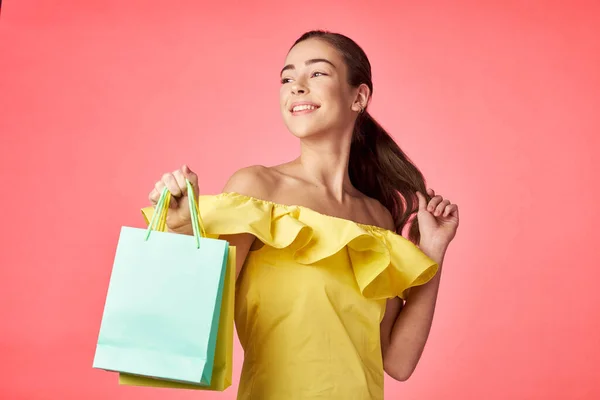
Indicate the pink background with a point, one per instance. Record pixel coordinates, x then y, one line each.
497 102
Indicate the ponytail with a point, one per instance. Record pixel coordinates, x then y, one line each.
377 167
381 170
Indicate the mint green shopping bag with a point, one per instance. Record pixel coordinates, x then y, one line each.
162 309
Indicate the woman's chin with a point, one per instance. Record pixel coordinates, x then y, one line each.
305 132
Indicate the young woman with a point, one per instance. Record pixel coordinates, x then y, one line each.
329 295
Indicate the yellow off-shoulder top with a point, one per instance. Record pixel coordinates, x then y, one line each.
310 301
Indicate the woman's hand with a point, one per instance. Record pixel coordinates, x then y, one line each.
438 220
178 215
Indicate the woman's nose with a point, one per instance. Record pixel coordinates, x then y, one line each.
299 88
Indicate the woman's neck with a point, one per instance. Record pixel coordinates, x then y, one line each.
325 162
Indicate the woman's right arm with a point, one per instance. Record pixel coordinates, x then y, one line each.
251 181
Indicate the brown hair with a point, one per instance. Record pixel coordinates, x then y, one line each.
377 167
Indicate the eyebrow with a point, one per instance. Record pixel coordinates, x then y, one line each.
308 62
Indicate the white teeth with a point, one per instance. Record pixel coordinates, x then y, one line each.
304 107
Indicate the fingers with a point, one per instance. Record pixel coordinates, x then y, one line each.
193 178
190 176
154 196
434 202
423 205
180 182
159 186
182 174
451 209
436 205
172 186
176 184
422 201
441 207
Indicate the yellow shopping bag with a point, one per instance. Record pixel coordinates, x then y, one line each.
223 363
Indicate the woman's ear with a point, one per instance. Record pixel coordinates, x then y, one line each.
361 100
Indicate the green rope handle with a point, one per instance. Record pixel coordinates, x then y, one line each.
158 210
162 208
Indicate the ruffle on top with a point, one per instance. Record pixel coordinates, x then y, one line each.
385 264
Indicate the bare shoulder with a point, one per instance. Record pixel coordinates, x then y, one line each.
254 181
381 215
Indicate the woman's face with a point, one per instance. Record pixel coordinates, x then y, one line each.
315 97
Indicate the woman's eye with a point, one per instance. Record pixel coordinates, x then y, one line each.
314 74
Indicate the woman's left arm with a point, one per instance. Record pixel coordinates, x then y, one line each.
405 327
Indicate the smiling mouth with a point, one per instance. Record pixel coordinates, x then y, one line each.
303 109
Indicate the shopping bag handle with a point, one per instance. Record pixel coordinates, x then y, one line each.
159 216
